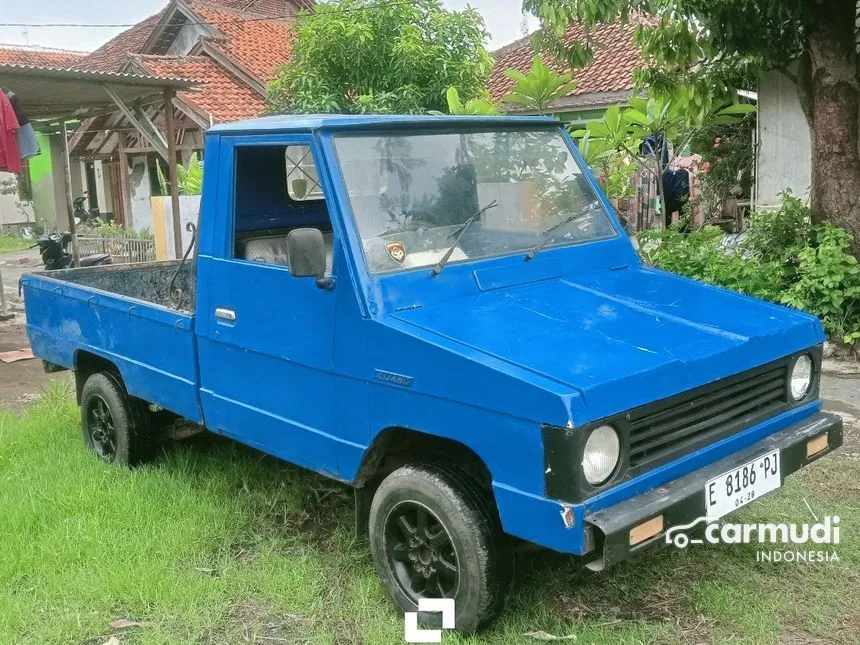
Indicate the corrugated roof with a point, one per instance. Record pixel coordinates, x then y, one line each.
39 56
220 94
73 74
49 92
615 58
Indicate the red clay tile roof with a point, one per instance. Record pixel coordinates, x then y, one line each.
39 56
615 58
266 7
220 93
257 45
113 55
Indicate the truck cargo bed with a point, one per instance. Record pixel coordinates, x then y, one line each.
120 313
149 281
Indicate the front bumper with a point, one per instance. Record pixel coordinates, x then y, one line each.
683 500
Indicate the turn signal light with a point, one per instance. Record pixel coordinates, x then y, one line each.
814 446
646 530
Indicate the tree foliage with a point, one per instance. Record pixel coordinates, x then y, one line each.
539 87
706 48
644 130
477 106
363 56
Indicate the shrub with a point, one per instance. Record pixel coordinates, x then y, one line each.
784 258
701 255
105 229
828 282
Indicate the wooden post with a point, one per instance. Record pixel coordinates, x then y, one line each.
171 166
127 219
2 299
67 176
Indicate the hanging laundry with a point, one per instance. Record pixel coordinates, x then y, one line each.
10 159
676 193
28 146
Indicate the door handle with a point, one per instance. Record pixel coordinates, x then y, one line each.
225 314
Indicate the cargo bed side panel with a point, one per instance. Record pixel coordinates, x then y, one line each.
153 347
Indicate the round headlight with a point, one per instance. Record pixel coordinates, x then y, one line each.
801 377
602 449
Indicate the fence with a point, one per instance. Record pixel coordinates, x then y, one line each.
122 248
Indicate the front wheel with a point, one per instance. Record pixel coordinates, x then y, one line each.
435 533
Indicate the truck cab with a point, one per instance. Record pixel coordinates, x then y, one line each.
444 313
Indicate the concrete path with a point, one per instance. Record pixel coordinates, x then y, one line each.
840 389
12 265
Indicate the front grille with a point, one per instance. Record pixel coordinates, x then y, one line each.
704 415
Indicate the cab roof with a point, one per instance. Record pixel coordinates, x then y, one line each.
288 122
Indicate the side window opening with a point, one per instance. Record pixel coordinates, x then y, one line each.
277 190
303 182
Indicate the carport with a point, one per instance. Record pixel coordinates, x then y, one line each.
53 98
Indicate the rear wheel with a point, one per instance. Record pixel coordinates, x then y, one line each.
113 422
435 533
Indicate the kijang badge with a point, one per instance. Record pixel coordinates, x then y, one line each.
396 251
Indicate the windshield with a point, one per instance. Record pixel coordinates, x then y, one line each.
412 193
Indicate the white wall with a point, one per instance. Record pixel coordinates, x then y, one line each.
784 152
101 180
78 173
12 209
189 211
186 39
138 185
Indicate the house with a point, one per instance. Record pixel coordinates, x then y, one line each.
229 48
606 81
40 56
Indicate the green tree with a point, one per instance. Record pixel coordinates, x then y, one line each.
365 56
709 46
539 87
660 118
477 106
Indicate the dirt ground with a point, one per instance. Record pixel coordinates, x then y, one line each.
23 382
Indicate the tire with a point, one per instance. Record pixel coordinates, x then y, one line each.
457 551
113 422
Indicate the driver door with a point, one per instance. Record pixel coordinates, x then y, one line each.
266 336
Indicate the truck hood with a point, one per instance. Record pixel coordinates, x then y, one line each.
621 338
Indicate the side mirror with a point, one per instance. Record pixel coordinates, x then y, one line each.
306 255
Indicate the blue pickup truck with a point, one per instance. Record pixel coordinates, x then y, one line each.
444 313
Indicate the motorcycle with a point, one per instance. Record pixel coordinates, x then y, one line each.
83 216
53 249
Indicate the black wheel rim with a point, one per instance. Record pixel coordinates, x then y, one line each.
101 429
420 552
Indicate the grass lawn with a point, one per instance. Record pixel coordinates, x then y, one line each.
11 243
216 543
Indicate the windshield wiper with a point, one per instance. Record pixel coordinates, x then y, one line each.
546 235
457 235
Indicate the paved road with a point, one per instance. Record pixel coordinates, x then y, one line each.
841 393
12 265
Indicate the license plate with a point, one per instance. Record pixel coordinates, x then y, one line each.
740 486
